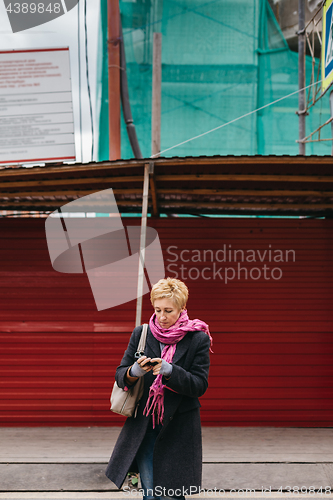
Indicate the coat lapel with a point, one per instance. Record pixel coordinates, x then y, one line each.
153 344
181 348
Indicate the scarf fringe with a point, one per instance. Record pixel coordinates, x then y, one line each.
155 401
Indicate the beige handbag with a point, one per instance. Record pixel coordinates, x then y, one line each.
126 402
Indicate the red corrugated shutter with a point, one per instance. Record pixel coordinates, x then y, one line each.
273 349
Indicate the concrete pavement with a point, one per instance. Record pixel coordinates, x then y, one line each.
67 463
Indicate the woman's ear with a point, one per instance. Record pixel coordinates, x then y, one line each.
182 309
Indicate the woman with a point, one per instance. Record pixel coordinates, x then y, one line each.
163 442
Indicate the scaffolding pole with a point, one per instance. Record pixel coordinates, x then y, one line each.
156 101
331 110
301 75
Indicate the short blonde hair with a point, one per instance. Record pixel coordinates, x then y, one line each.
170 288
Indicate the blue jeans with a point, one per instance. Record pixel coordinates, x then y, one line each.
144 458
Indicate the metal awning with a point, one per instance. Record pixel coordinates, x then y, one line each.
251 185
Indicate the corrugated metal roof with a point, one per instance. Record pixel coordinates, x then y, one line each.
270 185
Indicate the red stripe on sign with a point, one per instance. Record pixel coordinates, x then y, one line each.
31 50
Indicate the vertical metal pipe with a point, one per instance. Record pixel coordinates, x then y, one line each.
142 255
301 75
114 79
156 101
331 109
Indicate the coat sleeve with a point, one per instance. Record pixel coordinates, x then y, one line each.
192 382
128 358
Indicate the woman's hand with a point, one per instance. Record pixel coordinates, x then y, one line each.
139 369
162 367
158 366
143 362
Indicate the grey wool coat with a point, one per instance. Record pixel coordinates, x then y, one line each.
178 447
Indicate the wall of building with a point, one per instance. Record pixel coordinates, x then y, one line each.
272 326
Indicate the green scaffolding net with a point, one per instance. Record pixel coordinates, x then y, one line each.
221 59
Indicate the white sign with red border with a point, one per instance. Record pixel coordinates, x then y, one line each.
36 108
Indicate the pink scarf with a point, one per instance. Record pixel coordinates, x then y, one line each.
169 336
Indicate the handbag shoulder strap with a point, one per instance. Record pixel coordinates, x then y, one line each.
142 341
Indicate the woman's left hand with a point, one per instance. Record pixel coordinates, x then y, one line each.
162 367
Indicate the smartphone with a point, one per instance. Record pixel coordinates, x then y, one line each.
151 363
